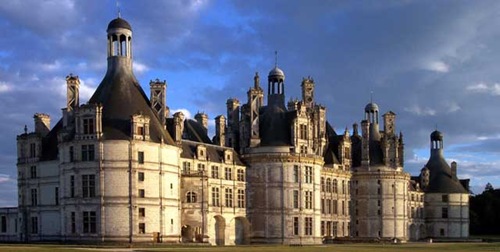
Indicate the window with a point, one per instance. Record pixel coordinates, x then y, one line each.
71 154
89 222
215 196
308 226
295 199
303 131
241 198
88 186
343 207
334 186
4 224
328 185
142 228
334 228
322 184
142 193
308 200
32 150
322 228
335 206
186 167
34 225
56 195
191 197
215 172
441 231
72 186
142 212
140 131
34 197
308 175
88 152
241 175
295 225
140 157
444 212
88 126
229 173
73 222
323 209
444 198
229 197
329 206
296 172
33 172
140 176
343 186
201 167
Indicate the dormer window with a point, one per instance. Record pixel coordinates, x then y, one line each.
228 156
88 126
201 152
140 127
89 121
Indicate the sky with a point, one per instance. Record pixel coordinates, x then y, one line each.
434 63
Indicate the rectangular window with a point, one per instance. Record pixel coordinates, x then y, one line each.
88 186
303 131
32 150
4 224
241 198
335 206
89 222
142 193
56 195
444 213
241 175
295 225
308 226
229 197
215 172
308 175
142 212
296 173
71 154
73 222
329 206
343 207
142 228
229 173
34 225
201 167
88 126
215 196
140 157
140 176
308 200
322 228
186 167
334 186
140 131
441 231
34 197
444 198
295 199
33 172
72 186
323 209
88 152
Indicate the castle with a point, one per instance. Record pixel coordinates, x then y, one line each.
121 168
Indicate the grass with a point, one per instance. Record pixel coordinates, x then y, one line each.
437 247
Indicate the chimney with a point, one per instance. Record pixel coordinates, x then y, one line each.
454 170
365 143
202 119
220 130
42 124
178 126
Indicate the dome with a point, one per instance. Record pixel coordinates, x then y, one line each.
436 136
119 23
276 72
371 107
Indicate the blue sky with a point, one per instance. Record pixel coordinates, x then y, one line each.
431 62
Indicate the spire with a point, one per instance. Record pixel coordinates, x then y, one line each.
118 9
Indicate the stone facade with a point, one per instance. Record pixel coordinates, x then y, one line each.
121 168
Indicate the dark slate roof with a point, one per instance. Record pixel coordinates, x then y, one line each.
275 126
376 154
441 180
195 132
215 153
436 136
49 143
356 150
121 97
332 149
119 23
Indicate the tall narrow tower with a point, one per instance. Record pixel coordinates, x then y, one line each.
256 101
73 92
308 92
158 98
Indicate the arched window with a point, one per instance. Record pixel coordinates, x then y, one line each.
191 197
328 185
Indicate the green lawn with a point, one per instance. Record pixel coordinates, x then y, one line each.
438 247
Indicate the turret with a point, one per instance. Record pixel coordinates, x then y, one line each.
158 99
220 130
371 115
436 143
276 87
202 119
255 101
307 87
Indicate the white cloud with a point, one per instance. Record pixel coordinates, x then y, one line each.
452 107
4 87
493 89
51 66
186 112
4 178
417 110
437 66
139 67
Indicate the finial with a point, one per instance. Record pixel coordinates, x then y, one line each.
275 58
256 80
436 126
25 129
118 9
371 96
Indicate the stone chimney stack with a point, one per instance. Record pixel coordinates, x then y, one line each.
202 119
365 143
178 126
42 124
220 130
454 170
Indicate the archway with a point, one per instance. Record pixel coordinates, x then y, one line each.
422 232
220 230
187 233
241 231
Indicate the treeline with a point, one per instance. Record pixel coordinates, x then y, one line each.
485 212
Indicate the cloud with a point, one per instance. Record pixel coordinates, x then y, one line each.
139 67
493 89
437 66
4 87
417 110
184 111
4 178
